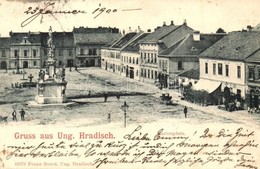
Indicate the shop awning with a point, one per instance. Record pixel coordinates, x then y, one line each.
207 85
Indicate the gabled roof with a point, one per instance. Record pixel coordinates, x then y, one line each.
17 37
134 46
235 46
124 40
5 42
255 57
95 38
187 45
167 35
60 39
159 33
192 73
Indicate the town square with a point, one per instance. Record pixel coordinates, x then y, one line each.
129 84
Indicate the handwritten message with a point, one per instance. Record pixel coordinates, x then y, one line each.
48 8
168 149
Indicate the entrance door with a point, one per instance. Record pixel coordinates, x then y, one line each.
3 65
70 63
92 62
86 63
25 64
131 73
106 66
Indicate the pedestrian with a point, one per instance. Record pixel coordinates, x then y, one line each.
185 111
22 112
105 97
118 97
109 117
14 116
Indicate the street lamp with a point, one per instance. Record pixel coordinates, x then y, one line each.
124 107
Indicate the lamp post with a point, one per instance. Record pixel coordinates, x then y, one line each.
125 107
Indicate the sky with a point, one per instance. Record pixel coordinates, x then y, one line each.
205 16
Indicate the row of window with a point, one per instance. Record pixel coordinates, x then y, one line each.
26 63
253 73
163 65
90 51
149 57
220 69
147 73
25 53
133 60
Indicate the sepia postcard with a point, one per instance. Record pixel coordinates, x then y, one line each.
138 84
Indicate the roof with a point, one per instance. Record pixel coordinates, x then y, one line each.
33 37
234 46
96 30
159 33
134 46
255 57
95 38
192 73
60 39
124 40
257 27
187 45
167 34
5 42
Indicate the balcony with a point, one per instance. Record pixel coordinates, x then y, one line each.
253 81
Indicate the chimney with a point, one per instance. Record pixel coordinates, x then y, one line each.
130 30
249 28
172 23
185 22
149 30
164 23
139 29
123 32
196 36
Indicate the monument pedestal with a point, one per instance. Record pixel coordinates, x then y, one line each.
51 92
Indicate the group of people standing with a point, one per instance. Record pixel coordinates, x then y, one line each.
22 113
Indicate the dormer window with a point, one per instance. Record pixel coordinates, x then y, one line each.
25 40
194 49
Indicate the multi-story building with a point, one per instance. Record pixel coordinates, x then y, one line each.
183 55
253 80
25 50
111 59
130 58
88 43
4 52
223 64
156 42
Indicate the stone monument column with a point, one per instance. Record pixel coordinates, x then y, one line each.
50 60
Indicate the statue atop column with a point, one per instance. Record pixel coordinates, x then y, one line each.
50 45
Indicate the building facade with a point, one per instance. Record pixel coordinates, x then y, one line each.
112 60
155 43
224 63
88 44
25 50
183 55
253 80
130 58
4 52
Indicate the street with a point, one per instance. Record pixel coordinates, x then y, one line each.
87 87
